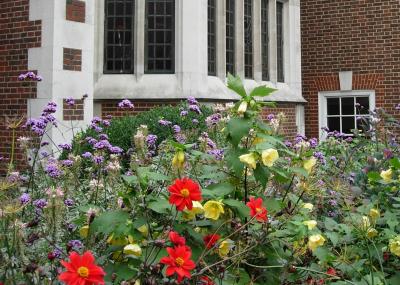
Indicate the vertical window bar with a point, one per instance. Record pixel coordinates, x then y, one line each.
230 36
279 32
160 36
212 66
248 38
265 40
118 36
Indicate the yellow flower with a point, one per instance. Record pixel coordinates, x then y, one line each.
371 233
191 214
394 246
315 241
311 224
213 209
308 206
387 175
365 223
249 159
309 164
178 160
119 240
143 230
225 247
269 156
133 249
242 107
374 214
84 231
257 141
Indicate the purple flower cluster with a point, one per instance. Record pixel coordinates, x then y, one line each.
213 119
270 117
195 108
25 199
75 244
192 101
218 154
184 113
98 159
40 203
313 142
65 146
38 126
69 202
87 155
70 101
176 129
163 122
30 75
67 162
115 150
52 169
320 156
151 141
125 104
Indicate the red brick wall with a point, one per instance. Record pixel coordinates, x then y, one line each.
72 59
110 107
76 11
73 112
17 35
361 36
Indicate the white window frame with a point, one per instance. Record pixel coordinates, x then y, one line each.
322 104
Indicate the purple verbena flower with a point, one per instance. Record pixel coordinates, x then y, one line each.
65 146
40 203
125 104
176 129
69 202
98 159
75 244
184 113
25 198
67 162
70 101
195 109
115 149
163 122
195 121
270 117
87 155
192 101
218 154
213 119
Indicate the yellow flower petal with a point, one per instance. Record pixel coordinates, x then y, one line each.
269 156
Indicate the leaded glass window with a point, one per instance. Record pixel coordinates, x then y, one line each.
118 32
279 32
160 36
248 38
264 40
230 36
212 62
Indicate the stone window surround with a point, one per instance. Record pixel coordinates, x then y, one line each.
322 104
125 85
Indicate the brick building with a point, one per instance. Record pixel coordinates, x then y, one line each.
149 51
350 55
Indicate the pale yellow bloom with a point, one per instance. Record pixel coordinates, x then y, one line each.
387 175
191 214
309 164
269 156
178 160
242 107
84 231
144 230
249 159
374 214
225 247
213 209
394 246
311 224
133 249
308 206
371 233
257 141
315 241
365 223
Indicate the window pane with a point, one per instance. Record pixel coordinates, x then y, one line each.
279 33
333 106
159 36
334 124
118 55
230 36
265 39
248 38
348 106
212 70
363 123
347 125
362 105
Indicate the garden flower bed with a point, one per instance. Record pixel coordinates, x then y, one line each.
236 204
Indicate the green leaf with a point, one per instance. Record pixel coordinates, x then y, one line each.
261 174
218 190
333 237
132 179
272 205
330 224
300 171
159 205
236 85
374 176
395 162
238 128
109 222
261 91
238 206
324 255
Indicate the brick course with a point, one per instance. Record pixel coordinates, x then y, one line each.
362 36
75 11
72 59
74 112
17 35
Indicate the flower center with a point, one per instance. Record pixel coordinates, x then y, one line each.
258 210
185 193
83 271
179 261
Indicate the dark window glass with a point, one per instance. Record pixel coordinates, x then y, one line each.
248 38
333 106
348 106
160 35
230 36
334 124
347 124
362 105
118 48
212 66
264 40
279 33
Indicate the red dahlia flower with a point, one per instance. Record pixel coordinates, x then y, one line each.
82 270
178 262
210 240
257 209
176 239
183 193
